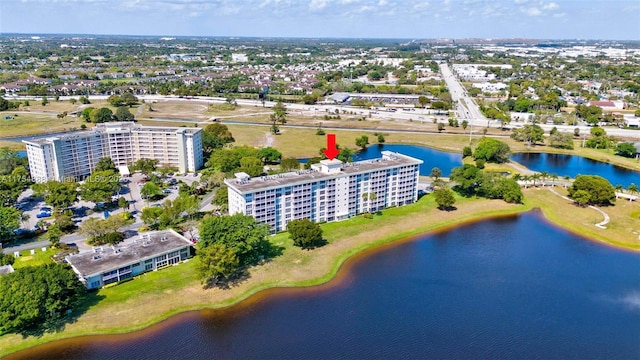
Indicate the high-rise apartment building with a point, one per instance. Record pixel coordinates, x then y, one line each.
329 191
76 154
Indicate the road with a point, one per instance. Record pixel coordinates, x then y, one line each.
467 109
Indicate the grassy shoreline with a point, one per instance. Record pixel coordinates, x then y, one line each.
352 242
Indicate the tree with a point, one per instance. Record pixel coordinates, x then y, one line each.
581 197
100 186
599 139
279 113
123 203
228 160
444 198
561 140
101 115
576 132
251 165
10 160
6 259
305 233
9 221
221 198
269 155
241 233
128 99
215 136
423 101
362 142
435 173
114 100
626 149
60 195
147 166
151 216
440 127
149 190
64 220
86 113
289 164
216 262
601 192
492 150
123 114
105 164
84 100
633 188
37 296
381 139
468 178
464 124
466 151
73 101
530 134
44 101
54 233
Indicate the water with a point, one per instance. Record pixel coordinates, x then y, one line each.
508 288
570 165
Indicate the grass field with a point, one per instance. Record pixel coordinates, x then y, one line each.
38 258
35 124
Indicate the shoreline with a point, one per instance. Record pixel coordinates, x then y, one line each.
337 275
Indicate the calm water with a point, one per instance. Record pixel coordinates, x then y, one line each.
569 165
445 161
509 288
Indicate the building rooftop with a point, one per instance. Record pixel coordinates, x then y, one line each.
110 128
321 172
6 269
147 245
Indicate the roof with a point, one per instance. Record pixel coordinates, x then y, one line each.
6 269
389 160
107 258
124 170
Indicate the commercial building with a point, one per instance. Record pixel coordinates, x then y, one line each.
76 154
108 264
329 191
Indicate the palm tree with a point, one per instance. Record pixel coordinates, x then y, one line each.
544 175
535 177
517 177
633 188
554 178
24 217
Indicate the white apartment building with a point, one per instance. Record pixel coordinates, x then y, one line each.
76 154
329 191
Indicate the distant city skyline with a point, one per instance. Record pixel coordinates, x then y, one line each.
410 19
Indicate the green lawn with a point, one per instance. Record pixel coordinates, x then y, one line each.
38 258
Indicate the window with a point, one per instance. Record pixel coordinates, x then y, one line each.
148 267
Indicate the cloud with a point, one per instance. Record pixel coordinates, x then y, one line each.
532 11
316 5
550 6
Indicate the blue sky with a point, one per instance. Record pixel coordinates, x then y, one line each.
414 19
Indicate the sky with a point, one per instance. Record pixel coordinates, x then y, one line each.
410 19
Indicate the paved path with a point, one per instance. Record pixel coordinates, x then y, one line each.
600 224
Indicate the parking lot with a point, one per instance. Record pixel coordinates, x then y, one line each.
84 210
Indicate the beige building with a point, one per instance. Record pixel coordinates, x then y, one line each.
76 154
329 191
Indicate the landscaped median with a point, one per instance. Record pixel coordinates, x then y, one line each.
158 295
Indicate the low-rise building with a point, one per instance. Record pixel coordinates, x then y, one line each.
329 191
108 264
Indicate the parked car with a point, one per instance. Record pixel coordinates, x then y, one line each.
43 214
166 191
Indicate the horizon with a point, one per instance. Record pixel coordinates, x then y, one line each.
328 19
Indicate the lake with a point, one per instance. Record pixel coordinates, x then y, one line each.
570 165
513 287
